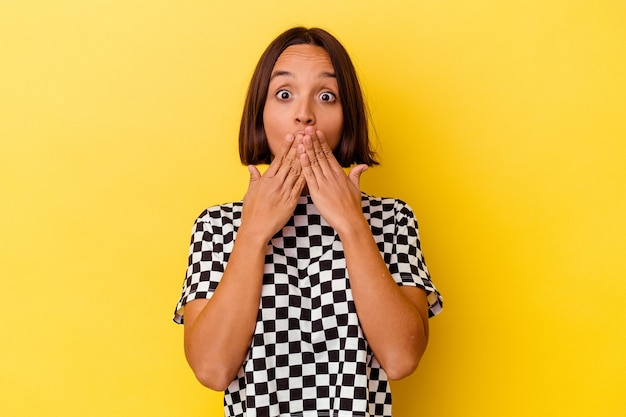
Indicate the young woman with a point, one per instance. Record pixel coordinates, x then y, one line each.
306 297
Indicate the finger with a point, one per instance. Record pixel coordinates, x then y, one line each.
292 176
317 155
308 171
327 151
324 155
255 175
296 191
290 167
279 158
312 161
355 175
314 150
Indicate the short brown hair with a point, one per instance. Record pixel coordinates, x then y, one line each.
354 146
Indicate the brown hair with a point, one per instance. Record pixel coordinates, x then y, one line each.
354 146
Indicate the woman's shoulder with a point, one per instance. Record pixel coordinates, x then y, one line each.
384 204
221 212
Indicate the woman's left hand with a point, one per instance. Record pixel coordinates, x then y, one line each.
336 195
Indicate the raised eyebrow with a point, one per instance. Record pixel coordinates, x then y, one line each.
281 74
290 74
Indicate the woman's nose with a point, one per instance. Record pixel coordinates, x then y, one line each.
305 114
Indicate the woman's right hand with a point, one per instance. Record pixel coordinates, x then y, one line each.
272 197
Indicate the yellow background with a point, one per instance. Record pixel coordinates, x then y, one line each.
502 123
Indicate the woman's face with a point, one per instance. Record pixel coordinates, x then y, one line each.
302 92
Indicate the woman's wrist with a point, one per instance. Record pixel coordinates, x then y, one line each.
253 234
356 227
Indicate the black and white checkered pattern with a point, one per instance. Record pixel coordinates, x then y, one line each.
308 356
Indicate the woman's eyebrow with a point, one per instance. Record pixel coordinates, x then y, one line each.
328 75
281 73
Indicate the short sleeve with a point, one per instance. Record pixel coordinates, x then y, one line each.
205 265
406 261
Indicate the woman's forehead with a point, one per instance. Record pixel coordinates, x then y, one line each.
303 54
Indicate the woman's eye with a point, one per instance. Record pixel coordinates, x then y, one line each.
283 95
328 97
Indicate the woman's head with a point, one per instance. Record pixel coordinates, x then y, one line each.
321 50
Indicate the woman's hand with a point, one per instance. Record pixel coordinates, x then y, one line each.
336 195
272 197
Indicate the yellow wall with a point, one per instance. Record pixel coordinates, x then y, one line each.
501 122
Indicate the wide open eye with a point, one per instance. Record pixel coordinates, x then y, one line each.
283 95
328 97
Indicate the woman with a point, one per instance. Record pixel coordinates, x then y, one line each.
323 292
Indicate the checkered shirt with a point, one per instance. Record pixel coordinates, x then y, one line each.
308 356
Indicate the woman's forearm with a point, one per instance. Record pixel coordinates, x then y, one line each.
218 331
394 319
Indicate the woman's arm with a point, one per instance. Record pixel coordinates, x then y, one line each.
394 319
218 331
